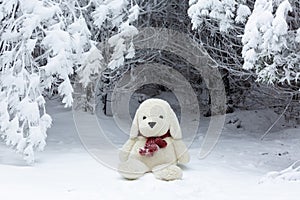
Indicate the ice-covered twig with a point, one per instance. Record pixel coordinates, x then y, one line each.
292 173
285 109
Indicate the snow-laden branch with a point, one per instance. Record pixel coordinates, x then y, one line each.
42 43
266 31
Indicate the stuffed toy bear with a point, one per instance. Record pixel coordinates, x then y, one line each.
155 143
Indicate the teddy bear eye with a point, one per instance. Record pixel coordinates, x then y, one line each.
144 117
160 116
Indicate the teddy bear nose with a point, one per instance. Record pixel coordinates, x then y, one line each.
151 124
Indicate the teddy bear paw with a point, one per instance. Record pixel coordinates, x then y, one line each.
168 173
132 169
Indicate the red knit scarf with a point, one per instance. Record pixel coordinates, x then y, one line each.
153 144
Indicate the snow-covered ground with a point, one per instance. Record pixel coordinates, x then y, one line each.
66 171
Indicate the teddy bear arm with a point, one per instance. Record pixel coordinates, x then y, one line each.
126 149
181 151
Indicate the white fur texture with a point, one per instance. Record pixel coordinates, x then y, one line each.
154 118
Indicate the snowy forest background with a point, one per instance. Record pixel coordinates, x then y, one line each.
55 48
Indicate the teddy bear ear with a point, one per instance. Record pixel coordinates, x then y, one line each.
175 129
134 131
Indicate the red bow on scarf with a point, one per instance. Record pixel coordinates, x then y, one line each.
153 144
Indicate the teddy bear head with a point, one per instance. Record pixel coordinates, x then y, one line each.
154 118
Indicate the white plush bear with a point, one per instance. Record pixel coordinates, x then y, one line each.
155 143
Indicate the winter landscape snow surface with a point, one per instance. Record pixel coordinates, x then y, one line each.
235 169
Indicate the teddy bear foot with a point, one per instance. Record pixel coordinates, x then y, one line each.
167 172
132 169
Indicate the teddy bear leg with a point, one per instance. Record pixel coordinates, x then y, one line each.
132 169
167 172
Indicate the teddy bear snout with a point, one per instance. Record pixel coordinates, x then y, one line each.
151 124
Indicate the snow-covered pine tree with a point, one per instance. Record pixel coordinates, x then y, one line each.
112 25
259 48
270 46
41 44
